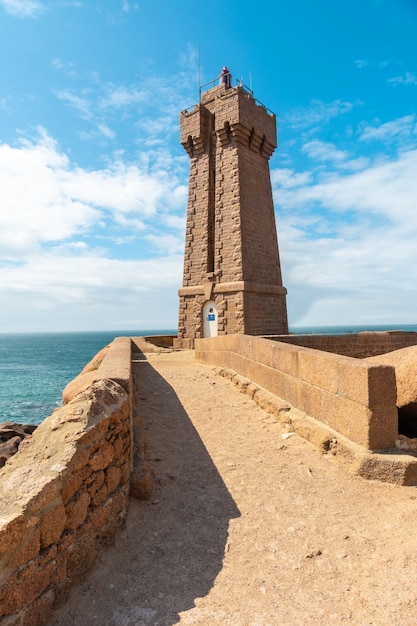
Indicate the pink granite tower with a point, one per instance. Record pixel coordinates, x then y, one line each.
232 275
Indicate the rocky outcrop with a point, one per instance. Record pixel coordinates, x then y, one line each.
404 362
11 436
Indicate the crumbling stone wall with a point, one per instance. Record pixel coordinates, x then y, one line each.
64 496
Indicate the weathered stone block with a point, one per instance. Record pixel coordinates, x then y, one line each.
309 399
383 428
39 612
372 386
404 362
76 510
285 358
73 482
113 477
319 369
82 556
12 533
103 457
95 481
349 418
25 587
28 549
100 495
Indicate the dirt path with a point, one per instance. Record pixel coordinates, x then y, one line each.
246 528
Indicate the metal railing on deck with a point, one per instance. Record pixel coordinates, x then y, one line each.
215 81
239 83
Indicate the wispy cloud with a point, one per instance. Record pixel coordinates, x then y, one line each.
81 104
67 68
58 231
22 8
387 188
153 101
407 79
60 201
402 127
121 96
127 6
169 244
106 131
285 178
4 104
347 241
324 151
317 112
74 289
347 223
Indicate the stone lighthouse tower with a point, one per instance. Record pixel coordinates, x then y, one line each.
232 276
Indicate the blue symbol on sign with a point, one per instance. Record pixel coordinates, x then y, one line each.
211 317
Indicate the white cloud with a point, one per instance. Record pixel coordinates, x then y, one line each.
34 208
106 131
401 127
22 8
317 113
62 277
47 200
80 104
153 102
168 244
175 221
121 96
388 188
67 67
4 104
129 6
347 244
59 291
408 79
59 225
288 178
324 151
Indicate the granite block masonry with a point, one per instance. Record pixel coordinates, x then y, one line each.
232 276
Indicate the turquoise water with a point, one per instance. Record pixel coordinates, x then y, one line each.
35 367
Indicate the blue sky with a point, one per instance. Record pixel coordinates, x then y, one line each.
93 181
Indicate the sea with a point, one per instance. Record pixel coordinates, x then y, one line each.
35 367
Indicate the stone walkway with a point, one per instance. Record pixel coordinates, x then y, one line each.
245 528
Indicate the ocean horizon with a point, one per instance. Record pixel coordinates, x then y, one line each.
36 367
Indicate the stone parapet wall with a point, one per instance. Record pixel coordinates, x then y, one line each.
64 495
358 345
162 341
351 396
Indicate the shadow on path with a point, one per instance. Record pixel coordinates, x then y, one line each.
173 546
